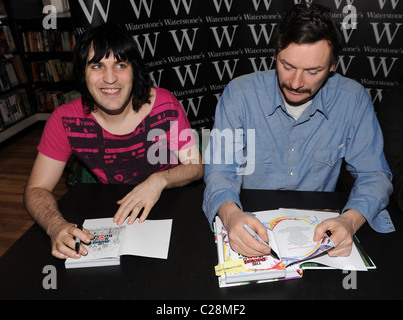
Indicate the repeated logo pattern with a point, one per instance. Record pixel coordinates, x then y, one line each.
195 47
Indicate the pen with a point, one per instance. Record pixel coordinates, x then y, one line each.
256 236
78 241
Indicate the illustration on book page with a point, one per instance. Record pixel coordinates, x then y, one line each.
252 264
106 242
294 237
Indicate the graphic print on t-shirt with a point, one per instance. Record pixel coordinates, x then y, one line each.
123 158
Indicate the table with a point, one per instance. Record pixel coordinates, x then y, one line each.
188 273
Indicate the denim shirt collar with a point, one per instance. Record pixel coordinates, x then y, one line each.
318 103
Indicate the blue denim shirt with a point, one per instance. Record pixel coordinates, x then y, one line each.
263 147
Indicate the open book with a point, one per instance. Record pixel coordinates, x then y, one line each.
290 233
148 239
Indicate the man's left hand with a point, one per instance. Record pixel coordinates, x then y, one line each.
343 229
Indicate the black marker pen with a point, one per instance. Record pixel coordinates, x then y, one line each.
78 241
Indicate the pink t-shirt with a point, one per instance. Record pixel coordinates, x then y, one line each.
128 158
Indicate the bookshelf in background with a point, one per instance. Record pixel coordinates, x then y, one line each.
49 56
35 64
14 101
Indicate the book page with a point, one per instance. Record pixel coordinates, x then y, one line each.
252 266
294 232
106 243
352 262
148 239
108 236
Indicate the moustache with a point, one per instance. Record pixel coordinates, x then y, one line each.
285 86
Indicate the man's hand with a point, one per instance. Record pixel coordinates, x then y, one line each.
343 229
142 197
240 240
146 194
62 235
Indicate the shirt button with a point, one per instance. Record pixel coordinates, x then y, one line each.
291 173
293 149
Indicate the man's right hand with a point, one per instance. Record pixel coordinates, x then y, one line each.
240 240
62 235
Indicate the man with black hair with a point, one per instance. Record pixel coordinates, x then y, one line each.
123 129
303 120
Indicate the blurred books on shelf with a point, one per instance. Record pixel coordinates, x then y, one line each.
48 41
12 72
52 70
14 107
7 44
48 101
3 11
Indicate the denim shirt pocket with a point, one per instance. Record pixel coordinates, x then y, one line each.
262 169
328 162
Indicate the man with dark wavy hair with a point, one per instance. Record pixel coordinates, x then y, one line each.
123 129
306 121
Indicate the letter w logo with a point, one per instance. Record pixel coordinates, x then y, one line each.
188 72
256 4
191 106
227 67
386 30
137 9
394 3
185 36
147 43
97 4
342 64
219 40
263 31
382 64
176 6
218 5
